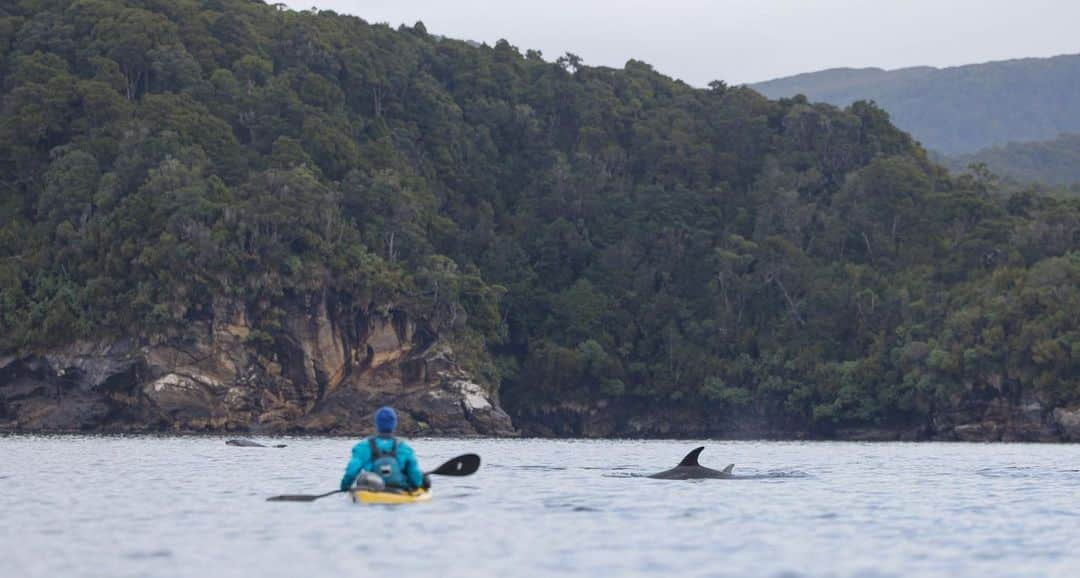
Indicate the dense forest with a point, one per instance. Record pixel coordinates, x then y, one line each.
582 235
957 110
1054 162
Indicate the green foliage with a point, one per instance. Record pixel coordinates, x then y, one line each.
580 234
1050 162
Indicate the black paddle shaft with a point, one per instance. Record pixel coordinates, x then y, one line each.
301 497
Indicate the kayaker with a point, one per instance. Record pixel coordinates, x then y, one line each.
384 458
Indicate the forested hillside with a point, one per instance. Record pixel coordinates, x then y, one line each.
597 244
957 110
1051 162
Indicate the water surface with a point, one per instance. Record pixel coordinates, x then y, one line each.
194 507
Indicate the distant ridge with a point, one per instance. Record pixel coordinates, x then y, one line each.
1051 162
960 109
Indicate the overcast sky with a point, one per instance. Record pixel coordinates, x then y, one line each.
743 41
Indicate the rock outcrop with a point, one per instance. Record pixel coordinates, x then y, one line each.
1068 420
983 415
322 372
326 372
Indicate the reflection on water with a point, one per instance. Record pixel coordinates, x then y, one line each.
146 506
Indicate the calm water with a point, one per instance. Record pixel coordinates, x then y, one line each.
161 507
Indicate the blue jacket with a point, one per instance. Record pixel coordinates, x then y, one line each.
361 462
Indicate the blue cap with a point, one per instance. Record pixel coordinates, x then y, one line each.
385 420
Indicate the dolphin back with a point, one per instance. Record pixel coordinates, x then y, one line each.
244 443
690 469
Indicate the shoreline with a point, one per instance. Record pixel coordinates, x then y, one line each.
307 435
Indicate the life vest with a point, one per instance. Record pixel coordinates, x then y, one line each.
386 465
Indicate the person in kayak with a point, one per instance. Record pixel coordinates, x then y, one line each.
384 460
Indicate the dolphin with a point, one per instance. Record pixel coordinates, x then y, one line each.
249 444
690 469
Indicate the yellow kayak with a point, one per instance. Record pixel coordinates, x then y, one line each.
371 497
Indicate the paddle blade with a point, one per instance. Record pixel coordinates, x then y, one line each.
463 465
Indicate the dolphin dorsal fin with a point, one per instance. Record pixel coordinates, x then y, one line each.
692 457
728 469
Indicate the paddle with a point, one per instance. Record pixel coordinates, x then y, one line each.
463 465
301 497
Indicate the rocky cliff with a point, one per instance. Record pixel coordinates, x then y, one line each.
326 373
321 372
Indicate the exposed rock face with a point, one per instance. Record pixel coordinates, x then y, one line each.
976 420
327 372
321 373
1069 422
